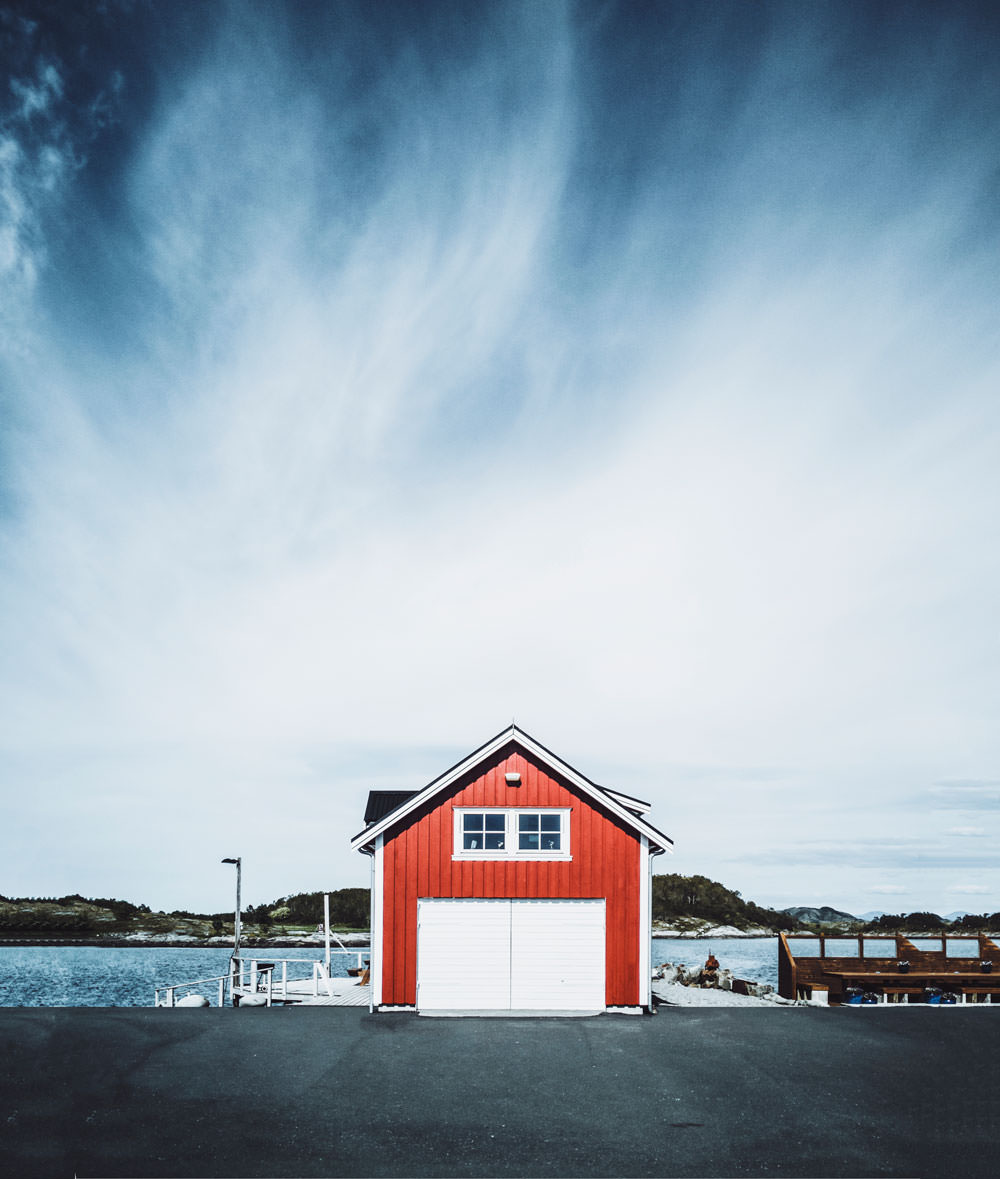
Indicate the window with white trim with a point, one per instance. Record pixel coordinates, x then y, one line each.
512 833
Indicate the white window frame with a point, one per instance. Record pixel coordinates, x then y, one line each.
510 850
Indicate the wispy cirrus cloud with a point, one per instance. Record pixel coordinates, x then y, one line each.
46 132
918 854
969 784
404 373
968 795
35 156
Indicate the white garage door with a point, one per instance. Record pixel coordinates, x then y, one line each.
510 955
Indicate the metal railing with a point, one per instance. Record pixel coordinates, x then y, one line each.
169 993
256 976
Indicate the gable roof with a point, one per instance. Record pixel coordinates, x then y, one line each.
629 810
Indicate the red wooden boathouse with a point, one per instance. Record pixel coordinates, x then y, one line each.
510 882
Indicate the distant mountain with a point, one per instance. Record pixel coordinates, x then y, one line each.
955 916
874 915
822 916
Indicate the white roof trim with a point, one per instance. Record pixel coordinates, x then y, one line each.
607 798
627 801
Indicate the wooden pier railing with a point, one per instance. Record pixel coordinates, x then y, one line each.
906 974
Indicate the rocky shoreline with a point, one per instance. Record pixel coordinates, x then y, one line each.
700 930
289 941
711 986
191 941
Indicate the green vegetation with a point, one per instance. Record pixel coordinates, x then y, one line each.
686 902
682 899
932 923
72 914
349 909
977 922
895 922
76 916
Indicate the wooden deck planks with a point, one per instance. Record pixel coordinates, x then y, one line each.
346 993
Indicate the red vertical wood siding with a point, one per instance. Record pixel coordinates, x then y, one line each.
418 862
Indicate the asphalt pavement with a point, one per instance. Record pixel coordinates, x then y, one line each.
215 1092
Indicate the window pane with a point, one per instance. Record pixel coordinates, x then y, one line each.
535 832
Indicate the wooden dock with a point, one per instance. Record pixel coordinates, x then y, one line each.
336 992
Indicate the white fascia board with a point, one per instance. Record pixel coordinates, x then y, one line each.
367 836
632 804
604 797
598 794
376 937
645 923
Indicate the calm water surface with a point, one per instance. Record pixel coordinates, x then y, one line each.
752 958
99 976
93 976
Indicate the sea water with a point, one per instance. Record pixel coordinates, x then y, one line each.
756 958
752 958
127 976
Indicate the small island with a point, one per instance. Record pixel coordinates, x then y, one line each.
286 922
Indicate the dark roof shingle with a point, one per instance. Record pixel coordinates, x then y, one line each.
381 802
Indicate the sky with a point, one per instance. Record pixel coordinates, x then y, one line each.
375 374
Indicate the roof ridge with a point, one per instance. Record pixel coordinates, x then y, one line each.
520 737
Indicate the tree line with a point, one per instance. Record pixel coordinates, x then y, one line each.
349 908
676 896
79 914
971 923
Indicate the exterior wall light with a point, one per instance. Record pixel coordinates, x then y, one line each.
513 779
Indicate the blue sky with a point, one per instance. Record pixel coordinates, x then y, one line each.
372 375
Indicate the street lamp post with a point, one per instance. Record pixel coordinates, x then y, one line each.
236 928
